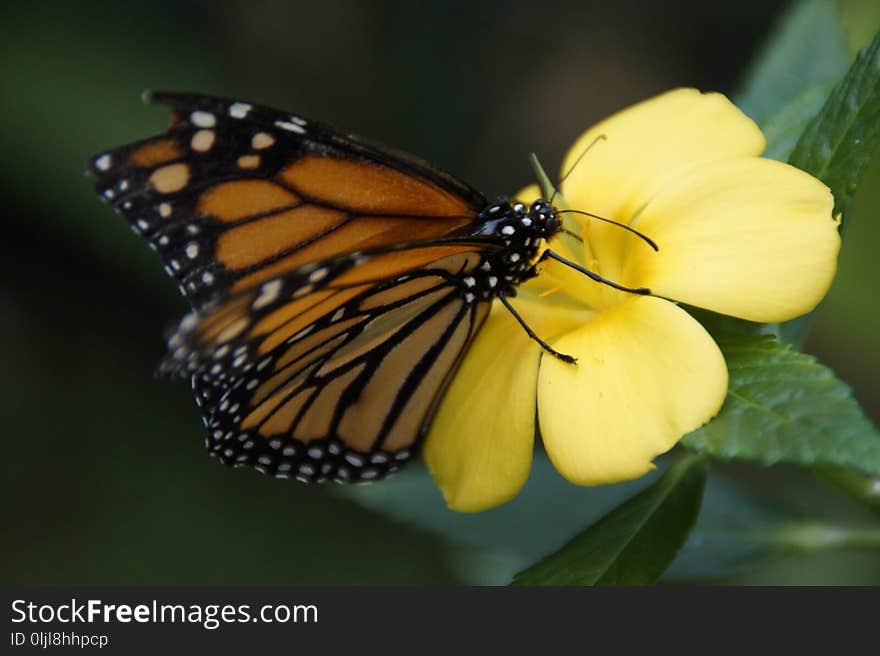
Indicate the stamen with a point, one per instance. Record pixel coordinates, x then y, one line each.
571 233
548 292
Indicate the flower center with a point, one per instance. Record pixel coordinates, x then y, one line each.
601 249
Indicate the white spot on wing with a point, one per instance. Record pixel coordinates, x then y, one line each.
203 119
202 140
262 140
318 274
290 127
268 293
189 322
239 109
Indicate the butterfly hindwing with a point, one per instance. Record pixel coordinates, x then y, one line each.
233 194
331 372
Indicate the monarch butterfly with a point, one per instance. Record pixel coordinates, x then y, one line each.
335 284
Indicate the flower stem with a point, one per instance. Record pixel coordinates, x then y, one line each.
548 190
812 537
864 489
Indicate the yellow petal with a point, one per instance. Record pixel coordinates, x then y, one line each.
645 147
479 447
528 194
749 237
647 373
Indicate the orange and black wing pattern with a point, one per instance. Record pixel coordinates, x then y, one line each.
332 371
331 282
234 193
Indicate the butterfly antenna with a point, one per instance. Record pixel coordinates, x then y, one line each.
638 234
571 168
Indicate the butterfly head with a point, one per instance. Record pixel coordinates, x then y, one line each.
544 218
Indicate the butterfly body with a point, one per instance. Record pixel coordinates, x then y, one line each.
520 229
336 285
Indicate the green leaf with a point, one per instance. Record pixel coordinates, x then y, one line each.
722 543
865 489
785 127
806 50
838 144
784 406
747 524
635 542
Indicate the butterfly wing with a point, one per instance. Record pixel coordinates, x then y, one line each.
333 370
234 194
329 278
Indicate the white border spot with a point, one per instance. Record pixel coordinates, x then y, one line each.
203 119
239 109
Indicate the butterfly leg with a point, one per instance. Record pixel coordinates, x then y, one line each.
531 333
548 254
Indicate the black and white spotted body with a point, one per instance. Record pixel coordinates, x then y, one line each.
518 229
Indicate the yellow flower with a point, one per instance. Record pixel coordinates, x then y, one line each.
738 234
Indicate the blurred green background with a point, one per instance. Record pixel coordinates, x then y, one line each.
105 479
